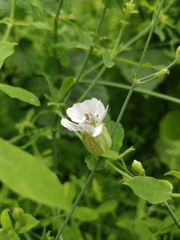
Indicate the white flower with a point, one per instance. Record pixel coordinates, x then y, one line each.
87 116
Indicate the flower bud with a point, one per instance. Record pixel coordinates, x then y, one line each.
6 220
99 144
137 168
19 215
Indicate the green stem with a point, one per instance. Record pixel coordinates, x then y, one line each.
77 200
11 22
88 55
149 38
114 51
55 166
140 90
56 21
123 108
171 213
92 84
118 170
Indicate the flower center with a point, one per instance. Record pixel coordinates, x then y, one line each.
90 119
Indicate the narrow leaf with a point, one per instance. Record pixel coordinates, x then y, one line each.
21 94
6 49
65 87
173 173
150 189
27 176
107 58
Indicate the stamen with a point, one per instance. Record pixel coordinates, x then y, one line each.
87 116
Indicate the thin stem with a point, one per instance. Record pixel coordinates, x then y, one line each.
77 199
140 90
11 22
54 151
56 21
149 37
123 109
93 83
88 55
118 170
114 51
171 213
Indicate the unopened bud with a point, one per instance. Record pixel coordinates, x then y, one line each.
137 168
19 215
6 220
99 144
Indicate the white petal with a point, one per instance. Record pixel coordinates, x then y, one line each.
95 131
75 113
89 106
71 126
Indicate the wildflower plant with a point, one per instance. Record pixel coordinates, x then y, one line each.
55 87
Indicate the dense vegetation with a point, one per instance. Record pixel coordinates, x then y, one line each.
56 53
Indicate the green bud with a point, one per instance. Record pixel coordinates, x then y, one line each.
161 73
6 220
19 215
99 144
137 168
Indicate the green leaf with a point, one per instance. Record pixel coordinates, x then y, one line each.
107 58
85 214
150 189
118 136
108 206
117 4
27 176
110 154
41 25
65 87
21 94
173 173
30 222
169 126
143 231
6 49
91 161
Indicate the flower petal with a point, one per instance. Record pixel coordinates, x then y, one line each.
75 113
95 131
71 126
89 106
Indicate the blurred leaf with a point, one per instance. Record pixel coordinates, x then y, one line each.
85 214
173 173
107 58
108 206
20 93
24 57
150 189
41 25
40 132
169 127
65 87
29 177
143 231
118 137
6 49
30 222
117 4
91 161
